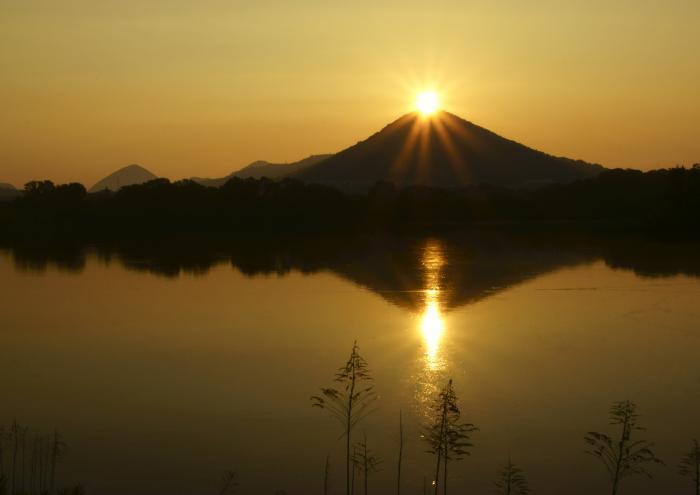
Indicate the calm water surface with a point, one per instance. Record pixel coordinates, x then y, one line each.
163 370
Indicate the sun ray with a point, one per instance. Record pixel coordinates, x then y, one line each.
398 166
423 169
457 128
456 160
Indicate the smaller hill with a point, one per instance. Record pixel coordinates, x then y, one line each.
8 191
261 168
127 176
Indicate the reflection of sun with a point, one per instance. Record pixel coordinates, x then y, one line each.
432 327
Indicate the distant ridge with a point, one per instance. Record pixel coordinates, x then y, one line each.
8 191
444 151
260 168
127 176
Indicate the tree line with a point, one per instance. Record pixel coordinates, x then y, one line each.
667 199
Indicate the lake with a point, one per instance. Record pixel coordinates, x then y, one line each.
164 366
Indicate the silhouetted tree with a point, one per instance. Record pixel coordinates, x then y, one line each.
511 481
355 467
398 464
40 445
447 436
623 456
45 465
35 464
662 200
38 187
57 452
23 448
326 475
228 483
76 490
690 466
350 403
15 432
2 451
366 461
4 481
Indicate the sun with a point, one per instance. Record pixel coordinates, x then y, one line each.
427 102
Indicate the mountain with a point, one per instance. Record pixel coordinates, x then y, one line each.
445 151
278 170
127 176
8 192
261 168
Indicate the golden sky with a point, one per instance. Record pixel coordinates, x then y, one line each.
203 87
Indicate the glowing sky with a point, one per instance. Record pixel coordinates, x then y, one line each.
202 88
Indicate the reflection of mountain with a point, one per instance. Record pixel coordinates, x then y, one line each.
472 267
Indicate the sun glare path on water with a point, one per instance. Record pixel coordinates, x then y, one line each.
432 328
432 325
427 103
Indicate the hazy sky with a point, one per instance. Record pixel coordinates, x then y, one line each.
204 87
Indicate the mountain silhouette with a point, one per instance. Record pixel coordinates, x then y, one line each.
8 191
127 176
261 168
443 151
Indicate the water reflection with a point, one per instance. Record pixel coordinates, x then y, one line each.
427 277
432 327
196 344
432 366
432 324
